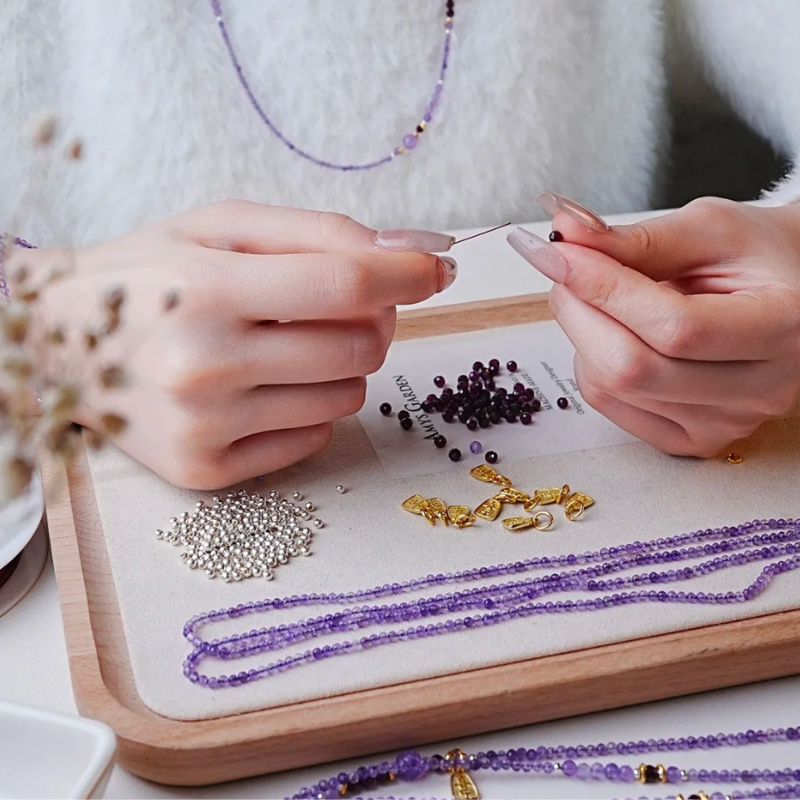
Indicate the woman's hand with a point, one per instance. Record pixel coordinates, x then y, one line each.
218 389
686 326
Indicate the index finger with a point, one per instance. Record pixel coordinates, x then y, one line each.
737 326
330 285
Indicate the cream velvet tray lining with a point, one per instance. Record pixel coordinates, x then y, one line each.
368 540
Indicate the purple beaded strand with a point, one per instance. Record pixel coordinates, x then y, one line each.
410 140
411 766
503 602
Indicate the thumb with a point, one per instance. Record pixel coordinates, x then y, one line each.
704 232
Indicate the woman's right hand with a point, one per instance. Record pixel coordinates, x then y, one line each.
221 388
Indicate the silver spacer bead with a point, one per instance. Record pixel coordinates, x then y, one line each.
310 507
318 523
297 496
340 488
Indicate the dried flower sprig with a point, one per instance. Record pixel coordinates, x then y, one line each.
41 393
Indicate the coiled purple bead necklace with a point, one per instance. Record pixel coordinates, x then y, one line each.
409 141
413 766
776 541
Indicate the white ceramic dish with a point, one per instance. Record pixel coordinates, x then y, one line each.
19 521
44 754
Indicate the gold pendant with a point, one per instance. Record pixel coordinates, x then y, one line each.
483 472
463 787
436 507
547 496
461 516
509 495
414 504
518 523
489 509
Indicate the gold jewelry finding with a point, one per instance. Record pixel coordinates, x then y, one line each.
414 504
735 458
483 472
547 496
563 493
462 787
436 507
531 504
489 509
573 509
516 524
583 498
461 516
510 495
543 526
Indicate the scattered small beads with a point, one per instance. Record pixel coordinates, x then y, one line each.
556 236
454 454
440 441
386 409
475 447
491 457
243 535
340 488
512 366
734 458
562 402
406 423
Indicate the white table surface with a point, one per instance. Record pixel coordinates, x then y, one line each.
33 660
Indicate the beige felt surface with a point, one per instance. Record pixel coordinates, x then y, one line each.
368 540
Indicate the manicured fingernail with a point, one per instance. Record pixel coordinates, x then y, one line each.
448 270
414 241
540 254
552 203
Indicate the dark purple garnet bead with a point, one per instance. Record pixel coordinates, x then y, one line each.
426 406
562 402
519 388
454 454
556 236
411 765
491 457
385 409
525 418
448 415
472 423
536 404
494 417
403 414
439 441
478 366
512 366
439 381
510 416
432 398
474 376
406 424
494 366
484 421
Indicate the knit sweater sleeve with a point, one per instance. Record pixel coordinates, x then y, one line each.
747 56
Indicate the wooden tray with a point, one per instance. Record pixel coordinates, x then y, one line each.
410 714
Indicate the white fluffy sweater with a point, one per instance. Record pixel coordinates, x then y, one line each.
568 95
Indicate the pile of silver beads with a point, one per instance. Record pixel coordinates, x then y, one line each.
243 535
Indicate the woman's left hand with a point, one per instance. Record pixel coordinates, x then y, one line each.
695 341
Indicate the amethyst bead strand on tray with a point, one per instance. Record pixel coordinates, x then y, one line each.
774 543
411 766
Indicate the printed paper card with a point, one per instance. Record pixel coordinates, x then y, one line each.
544 358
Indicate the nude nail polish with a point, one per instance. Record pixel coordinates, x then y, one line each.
540 254
414 241
449 269
552 203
